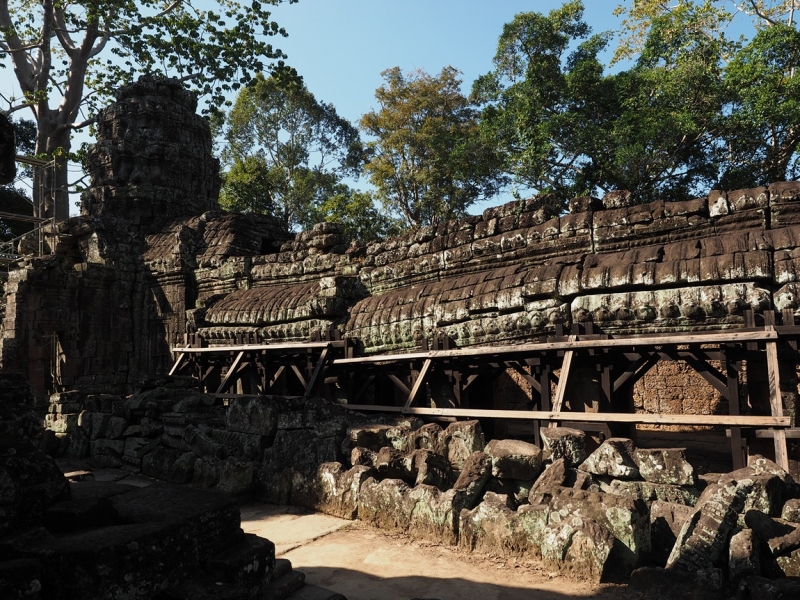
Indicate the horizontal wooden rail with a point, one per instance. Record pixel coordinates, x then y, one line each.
593 344
256 347
543 415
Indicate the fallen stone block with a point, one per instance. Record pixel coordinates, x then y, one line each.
514 459
252 415
473 477
331 489
423 511
459 440
564 442
701 542
169 465
429 468
664 465
427 437
228 475
580 547
553 477
517 490
137 447
666 521
116 427
246 446
30 482
363 457
21 578
649 492
743 556
612 458
778 536
761 588
789 564
791 510
627 519
493 528
372 436
202 442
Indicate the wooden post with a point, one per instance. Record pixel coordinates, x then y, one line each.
776 403
563 377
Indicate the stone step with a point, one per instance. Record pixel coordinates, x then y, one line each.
248 564
283 587
314 592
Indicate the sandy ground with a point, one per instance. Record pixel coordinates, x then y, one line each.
363 563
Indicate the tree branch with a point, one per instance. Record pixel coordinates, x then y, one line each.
62 33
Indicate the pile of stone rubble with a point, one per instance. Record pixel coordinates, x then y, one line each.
619 512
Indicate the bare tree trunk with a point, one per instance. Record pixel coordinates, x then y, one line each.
51 183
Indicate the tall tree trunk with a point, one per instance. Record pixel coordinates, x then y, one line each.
50 183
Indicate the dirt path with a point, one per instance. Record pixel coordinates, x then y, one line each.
363 563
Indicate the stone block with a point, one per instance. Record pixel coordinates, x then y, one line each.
363 457
227 475
212 518
664 465
169 465
701 542
423 511
648 492
138 447
743 556
332 489
791 510
79 445
612 458
244 446
473 477
61 423
372 436
21 578
666 521
564 442
461 439
116 427
203 443
789 564
252 415
517 490
553 477
778 536
30 482
580 547
514 459
247 564
427 437
704 584
761 588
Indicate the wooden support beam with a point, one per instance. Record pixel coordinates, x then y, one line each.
418 382
399 383
636 370
176 367
512 364
299 374
321 364
363 388
646 418
776 404
231 372
563 378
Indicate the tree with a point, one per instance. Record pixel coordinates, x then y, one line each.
428 160
356 212
68 57
566 128
15 199
757 129
286 152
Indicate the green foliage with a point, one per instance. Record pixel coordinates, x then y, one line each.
287 155
15 199
69 57
360 218
428 160
762 113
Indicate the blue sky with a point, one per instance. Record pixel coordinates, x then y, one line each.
340 47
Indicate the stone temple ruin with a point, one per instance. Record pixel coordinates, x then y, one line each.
386 382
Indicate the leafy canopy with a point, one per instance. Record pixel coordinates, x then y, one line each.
287 154
69 56
427 158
